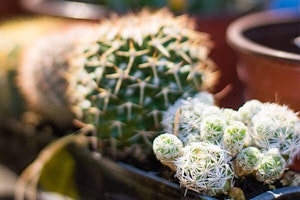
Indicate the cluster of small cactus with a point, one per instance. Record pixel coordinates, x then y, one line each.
120 76
258 139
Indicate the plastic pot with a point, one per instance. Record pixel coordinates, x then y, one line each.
288 193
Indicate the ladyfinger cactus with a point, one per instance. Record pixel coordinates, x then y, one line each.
258 140
128 71
205 168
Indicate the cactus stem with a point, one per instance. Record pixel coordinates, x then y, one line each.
193 76
152 62
177 47
145 136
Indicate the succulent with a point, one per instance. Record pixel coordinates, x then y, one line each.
11 46
43 70
167 147
235 137
271 166
249 109
212 129
206 168
259 140
184 117
122 75
246 161
276 126
137 67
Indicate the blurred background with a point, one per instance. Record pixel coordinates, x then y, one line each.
17 29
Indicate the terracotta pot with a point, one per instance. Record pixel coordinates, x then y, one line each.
268 60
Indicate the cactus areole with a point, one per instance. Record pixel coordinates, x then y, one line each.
137 66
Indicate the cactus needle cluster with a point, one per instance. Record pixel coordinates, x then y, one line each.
259 140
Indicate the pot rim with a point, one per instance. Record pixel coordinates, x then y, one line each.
278 193
238 41
69 9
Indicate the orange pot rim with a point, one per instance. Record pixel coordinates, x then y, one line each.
238 41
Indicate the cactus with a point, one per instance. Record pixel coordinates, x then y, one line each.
135 70
246 161
11 46
260 140
205 168
167 148
271 166
43 70
235 137
124 75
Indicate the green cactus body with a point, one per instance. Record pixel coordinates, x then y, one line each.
247 161
271 166
137 67
205 168
167 148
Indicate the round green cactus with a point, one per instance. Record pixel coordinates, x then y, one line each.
206 168
167 148
212 128
235 137
136 68
246 161
271 166
122 76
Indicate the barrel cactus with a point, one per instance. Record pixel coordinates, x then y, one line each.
42 72
126 72
11 46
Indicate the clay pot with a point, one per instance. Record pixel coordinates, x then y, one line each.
268 59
